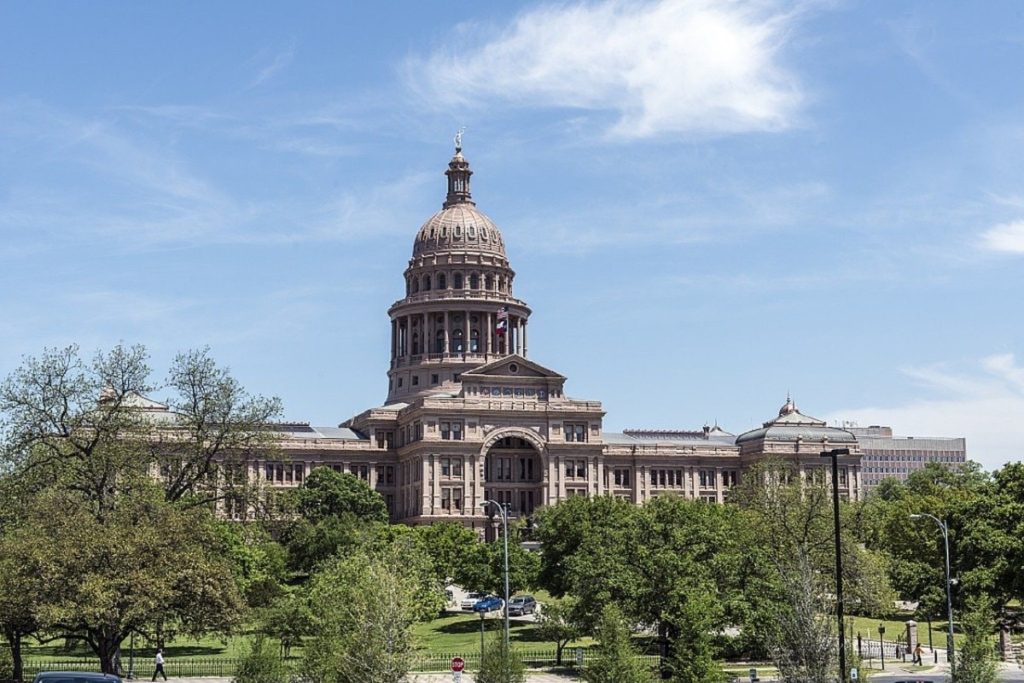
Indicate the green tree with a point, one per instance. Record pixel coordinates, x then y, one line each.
364 607
92 419
147 566
500 664
260 563
450 546
289 619
616 660
787 529
694 654
984 516
482 567
262 664
327 493
556 623
975 660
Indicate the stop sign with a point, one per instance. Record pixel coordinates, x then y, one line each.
458 664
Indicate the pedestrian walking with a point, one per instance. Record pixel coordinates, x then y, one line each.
159 664
917 655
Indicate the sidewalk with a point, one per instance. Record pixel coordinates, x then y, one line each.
532 677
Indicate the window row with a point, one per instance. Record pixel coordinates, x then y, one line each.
488 282
451 430
502 469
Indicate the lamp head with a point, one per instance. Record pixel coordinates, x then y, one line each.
915 516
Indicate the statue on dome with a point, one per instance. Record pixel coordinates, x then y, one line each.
458 139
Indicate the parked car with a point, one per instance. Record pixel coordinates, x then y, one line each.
521 604
74 677
489 604
470 600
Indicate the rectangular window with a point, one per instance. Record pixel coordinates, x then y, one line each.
457 499
389 474
569 469
451 431
457 468
446 499
622 477
435 379
581 469
446 468
575 432
300 471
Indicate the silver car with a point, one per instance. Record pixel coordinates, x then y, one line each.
521 604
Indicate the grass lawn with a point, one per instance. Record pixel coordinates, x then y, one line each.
460 632
209 647
895 628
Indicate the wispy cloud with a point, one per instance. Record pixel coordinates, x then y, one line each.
276 64
982 402
110 180
665 68
1005 237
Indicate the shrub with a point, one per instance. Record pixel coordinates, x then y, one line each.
263 664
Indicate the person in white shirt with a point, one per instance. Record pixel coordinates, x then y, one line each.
159 665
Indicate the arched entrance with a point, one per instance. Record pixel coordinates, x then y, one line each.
514 474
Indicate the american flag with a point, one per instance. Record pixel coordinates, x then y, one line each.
502 325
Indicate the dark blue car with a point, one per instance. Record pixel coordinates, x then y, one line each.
489 604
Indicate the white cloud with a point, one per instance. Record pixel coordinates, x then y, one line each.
669 67
278 63
983 403
1005 237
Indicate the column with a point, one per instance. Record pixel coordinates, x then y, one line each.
425 489
435 489
408 337
394 341
719 485
447 343
488 333
524 338
560 472
465 333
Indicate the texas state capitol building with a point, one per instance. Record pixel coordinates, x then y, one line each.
470 417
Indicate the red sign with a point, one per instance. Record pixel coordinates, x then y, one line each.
458 664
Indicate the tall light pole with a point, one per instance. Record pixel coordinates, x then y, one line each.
504 523
834 454
949 590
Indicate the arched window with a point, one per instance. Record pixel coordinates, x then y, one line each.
457 281
474 341
489 282
426 283
439 342
442 281
474 281
457 341
501 283
415 285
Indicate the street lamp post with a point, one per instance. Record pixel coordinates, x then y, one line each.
834 454
504 523
949 590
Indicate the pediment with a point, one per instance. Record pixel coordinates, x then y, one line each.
511 366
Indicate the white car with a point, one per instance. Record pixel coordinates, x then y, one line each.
470 600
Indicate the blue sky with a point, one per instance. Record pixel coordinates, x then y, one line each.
708 204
